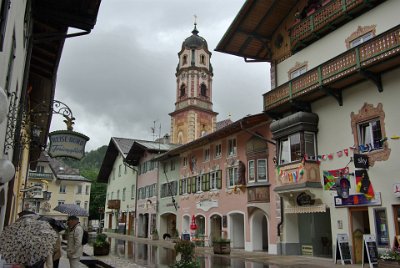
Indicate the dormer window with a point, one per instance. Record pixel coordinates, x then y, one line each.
297 70
361 35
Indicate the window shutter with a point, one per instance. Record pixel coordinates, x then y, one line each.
203 182
180 187
219 179
207 179
193 179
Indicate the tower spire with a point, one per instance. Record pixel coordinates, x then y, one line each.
195 31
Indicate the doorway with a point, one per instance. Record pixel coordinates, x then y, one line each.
359 222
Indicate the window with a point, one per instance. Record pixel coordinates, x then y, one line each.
60 202
198 184
78 203
382 232
118 194
202 59
133 191
185 161
168 189
360 35
125 169
232 147
309 144
203 90
261 170
123 194
218 150
232 176
184 61
40 169
184 186
79 189
207 154
5 6
172 164
87 191
370 135
215 180
361 39
182 91
86 205
290 149
251 170
63 188
298 72
119 170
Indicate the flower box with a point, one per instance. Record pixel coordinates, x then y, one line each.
387 264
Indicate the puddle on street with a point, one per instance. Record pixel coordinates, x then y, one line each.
157 256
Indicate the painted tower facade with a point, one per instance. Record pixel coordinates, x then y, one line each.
193 116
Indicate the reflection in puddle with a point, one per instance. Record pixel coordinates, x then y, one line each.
158 256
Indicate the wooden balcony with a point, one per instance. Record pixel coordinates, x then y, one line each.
366 61
326 19
258 193
41 176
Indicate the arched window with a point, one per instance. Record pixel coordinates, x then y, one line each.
203 90
182 90
202 59
184 60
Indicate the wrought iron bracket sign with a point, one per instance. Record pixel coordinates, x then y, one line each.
67 143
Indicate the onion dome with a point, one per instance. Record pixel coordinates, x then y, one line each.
195 41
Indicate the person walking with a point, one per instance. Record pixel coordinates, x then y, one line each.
74 241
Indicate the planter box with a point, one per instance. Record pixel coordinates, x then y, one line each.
101 251
222 247
388 264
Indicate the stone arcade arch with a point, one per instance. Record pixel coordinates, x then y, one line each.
259 231
236 229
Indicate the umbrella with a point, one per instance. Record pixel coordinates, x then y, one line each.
71 209
56 224
27 241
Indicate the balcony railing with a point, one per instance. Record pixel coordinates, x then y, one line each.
321 21
378 50
42 195
41 175
258 194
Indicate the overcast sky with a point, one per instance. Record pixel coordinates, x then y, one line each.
120 78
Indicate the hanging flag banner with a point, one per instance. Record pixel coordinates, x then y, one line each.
67 143
364 185
330 177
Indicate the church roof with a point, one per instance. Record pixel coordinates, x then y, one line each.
195 41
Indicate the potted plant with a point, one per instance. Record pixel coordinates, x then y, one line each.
389 258
186 250
221 246
101 246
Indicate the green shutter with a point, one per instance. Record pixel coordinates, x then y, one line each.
193 179
180 187
189 185
207 179
219 179
203 183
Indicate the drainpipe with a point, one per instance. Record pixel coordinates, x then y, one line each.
280 224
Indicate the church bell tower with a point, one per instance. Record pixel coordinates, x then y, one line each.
193 116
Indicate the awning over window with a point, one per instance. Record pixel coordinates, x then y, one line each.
300 121
305 209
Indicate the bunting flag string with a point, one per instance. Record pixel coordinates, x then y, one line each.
345 151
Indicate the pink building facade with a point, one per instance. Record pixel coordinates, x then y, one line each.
225 186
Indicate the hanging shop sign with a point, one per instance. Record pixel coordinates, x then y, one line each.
67 143
304 199
358 200
361 161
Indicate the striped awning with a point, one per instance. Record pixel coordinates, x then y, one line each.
305 209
